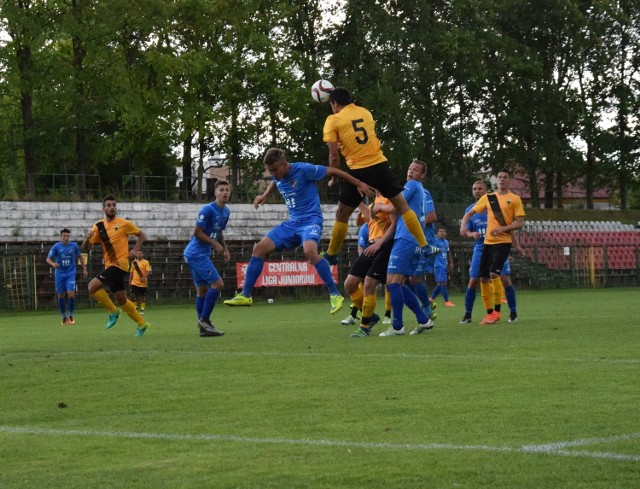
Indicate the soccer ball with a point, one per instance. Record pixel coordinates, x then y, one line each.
270 301
320 90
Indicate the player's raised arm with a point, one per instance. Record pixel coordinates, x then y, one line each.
362 187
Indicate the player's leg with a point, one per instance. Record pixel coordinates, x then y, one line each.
472 287
410 218
509 291
71 299
310 247
210 297
97 291
261 250
369 317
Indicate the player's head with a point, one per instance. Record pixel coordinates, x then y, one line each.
65 235
504 179
338 98
276 163
442 232
417 170
109 206
222 191
140 255
479 189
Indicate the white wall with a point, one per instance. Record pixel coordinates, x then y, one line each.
22 222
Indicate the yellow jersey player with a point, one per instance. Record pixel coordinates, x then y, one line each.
138 280
112 233
350 130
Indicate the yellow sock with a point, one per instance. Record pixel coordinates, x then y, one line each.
387 300
103 299
368 306
142 305
338 233
357 298
130 308
496 284
487 295
413 225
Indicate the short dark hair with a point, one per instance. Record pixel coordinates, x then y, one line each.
220 182
274 155
504 170
341 96
65 230
108 197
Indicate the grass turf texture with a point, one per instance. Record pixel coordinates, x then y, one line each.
286 399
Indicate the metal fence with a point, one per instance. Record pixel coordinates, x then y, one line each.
27 281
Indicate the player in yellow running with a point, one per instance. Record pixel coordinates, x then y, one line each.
350 130
113 234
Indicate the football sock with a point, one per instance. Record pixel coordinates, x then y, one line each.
72 305
354 312
469 299
510 294
397 304
357 298
487 296
420 289
411 300
142 305
103 299
338 234
414 227
387 303
209 302
254 270
61 306
436 291
445 292
130 308
324 270
368 306
496 285
199 305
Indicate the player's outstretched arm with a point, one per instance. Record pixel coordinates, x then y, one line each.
362 187
260 199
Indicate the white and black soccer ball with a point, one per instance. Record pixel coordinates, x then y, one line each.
269 301
320 90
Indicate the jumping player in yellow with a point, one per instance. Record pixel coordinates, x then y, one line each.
113 234
350 130
505 214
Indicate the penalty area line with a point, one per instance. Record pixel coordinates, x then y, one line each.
550 449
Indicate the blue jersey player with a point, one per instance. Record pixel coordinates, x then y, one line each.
208 234
443 263
62 257
296 182
405 256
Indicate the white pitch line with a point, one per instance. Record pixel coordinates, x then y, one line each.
528 449
408 356
581 442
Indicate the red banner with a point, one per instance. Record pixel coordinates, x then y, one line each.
284 274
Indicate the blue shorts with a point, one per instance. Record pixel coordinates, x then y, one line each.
474 268
404 259
440 275
202 269
65 282
425 265
289 235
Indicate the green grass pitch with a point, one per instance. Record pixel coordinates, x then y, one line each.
286 400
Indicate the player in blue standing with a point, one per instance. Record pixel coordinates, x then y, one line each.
442 265
403 262
207 234
62 257
296 182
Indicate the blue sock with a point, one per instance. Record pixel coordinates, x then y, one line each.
209 302
61 306
420 289
435 292
72 305
510 294
199 305
254 270
324 270
469 299
410 286
445 292
397 304
412 303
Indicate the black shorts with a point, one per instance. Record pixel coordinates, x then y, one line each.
140 291
114 277
493 258
374 266
378 176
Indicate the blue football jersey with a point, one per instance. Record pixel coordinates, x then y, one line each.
300 192
65 256
414 195
212 219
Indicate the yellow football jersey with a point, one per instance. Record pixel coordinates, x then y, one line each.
116 251
354 129
511 206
